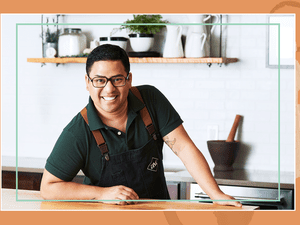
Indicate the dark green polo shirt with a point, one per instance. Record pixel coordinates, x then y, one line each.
76 148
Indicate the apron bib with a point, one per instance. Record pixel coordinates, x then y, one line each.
140 169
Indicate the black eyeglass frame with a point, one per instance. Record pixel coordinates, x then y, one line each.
109 79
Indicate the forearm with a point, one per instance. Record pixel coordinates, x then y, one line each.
181 144
54 188
198 167
70 191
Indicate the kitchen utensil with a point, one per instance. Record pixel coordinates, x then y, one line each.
173 45
201 19
197 19
217 20
234 128
223 154
195 45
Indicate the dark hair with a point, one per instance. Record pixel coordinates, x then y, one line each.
107 52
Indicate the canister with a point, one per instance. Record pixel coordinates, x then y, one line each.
71 42
120 41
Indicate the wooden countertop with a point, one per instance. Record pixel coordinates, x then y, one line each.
31 200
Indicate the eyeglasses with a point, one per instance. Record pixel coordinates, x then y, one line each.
117 81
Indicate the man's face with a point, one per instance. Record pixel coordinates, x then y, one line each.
108 99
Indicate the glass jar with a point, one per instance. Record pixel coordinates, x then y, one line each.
50 50
71 42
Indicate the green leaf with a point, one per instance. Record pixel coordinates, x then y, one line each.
148 29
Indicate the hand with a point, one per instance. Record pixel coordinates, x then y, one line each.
119 192
227 197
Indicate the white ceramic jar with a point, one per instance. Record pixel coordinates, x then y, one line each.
71 42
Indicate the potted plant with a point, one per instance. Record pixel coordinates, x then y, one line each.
50 40
142 36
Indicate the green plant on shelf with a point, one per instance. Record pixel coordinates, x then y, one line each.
144 29
51 36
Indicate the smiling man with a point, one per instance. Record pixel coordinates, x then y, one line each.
117 140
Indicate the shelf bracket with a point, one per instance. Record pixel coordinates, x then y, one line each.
44 64
209 64
220 64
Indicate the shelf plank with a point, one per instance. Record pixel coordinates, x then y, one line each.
183 60
139 60
57 60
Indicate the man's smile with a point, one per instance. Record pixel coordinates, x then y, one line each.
109 98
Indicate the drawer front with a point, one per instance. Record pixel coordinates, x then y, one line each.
26 180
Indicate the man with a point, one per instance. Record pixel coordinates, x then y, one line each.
124 160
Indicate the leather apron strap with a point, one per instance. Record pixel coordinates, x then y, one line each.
144 115
97 135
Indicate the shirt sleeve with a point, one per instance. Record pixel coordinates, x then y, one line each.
165 117
66 159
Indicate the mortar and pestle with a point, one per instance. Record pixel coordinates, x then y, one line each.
223 153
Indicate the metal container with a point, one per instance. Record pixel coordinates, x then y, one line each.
50 50
71 42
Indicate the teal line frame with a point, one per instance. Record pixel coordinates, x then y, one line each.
90 24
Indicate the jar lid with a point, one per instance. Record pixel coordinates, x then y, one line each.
113 38
72 30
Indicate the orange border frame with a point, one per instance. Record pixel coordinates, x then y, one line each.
171 217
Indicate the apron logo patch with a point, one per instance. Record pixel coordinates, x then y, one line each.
153 165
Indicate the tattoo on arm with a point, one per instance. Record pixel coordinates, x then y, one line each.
170 143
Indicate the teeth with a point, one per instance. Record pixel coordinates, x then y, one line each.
109 98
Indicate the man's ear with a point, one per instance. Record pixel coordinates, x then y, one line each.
130 79
86 82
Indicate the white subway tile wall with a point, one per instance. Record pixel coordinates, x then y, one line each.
49 96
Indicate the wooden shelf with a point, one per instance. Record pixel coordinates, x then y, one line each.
139 60
57 60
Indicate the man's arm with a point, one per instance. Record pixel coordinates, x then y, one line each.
55 188
181 144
